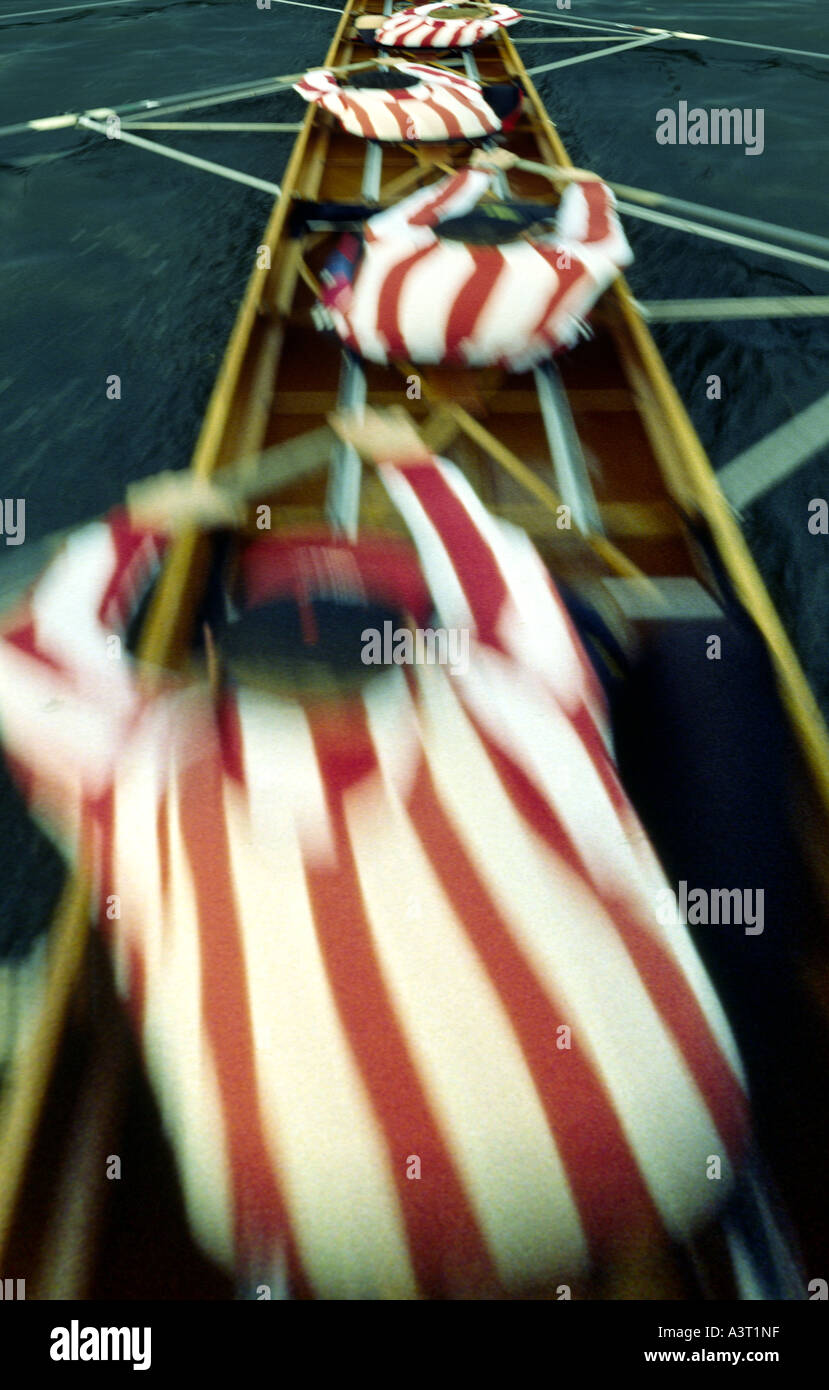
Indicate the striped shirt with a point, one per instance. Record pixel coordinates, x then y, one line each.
442 106
404 998
421 26
431 300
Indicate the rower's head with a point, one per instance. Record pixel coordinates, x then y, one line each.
298 610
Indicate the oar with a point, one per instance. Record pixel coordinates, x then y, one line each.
240 482
650 199
259 474
647 198
183 101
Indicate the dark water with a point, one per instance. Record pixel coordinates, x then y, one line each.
113 261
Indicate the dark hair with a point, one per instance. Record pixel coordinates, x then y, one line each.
381 81
316 643
492 224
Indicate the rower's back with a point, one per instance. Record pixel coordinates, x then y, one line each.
419 288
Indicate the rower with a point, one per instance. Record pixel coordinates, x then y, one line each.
443 25
391 948
414 101
443 278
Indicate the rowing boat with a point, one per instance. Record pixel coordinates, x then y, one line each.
643 501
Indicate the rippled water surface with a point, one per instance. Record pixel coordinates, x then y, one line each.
114 261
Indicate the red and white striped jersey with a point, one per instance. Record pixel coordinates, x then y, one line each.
421 26
404 998
431 300
442 106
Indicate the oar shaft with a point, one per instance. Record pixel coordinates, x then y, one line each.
183 101
729 219
765 248
277 466
244 481
208 166
649 199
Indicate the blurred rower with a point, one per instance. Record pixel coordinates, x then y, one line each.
442 25
444 277
388 934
